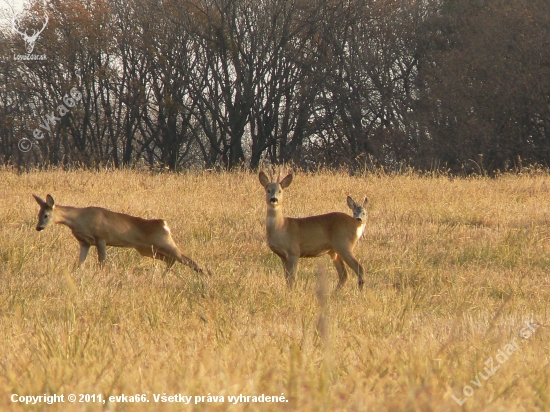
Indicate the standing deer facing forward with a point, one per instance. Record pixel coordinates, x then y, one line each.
335 233
102 228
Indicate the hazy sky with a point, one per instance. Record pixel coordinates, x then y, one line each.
12 5
9 7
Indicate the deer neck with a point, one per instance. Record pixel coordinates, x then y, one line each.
275 219
66 215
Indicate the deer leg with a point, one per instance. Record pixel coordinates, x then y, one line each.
143 251
101 251
191 263
340 268
155 253
355 266
165 257
84 249
169 262
173 253
151 252
291 267
169 254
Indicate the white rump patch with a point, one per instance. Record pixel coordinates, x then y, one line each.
166 227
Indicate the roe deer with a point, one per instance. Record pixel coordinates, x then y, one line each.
102 228
335 233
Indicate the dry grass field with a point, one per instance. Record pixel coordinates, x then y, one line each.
455 269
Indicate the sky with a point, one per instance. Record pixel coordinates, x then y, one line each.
8 8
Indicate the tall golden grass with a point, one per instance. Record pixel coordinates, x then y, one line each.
454 270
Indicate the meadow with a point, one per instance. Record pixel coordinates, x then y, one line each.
455 303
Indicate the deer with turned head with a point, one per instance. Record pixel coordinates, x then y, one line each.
335 234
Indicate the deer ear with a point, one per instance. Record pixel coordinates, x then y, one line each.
351 203
39 200
286 181
263 179
365 201
49 201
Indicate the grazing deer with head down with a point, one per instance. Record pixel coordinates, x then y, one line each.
102 228
335 234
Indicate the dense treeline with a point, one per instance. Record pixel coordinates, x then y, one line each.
455 84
